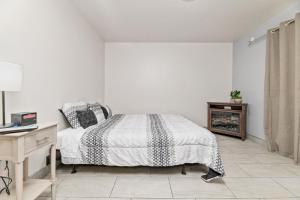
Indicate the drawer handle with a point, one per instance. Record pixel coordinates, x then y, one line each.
42 141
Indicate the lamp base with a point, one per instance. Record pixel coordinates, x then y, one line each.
2 126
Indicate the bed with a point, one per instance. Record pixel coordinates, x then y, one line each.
141 140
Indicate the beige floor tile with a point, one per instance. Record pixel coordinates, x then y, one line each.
234 170
47 192
159 199
266 170
96 198
248 146
221 138
292 168
284 199
291 184
225 150
247 149
107 171
228 142
237 158
83 170
4 196
194 187
224 199
142 187
85 186
114 171
239 146
256 188
271 158
232 141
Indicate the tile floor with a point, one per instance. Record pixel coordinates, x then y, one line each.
251 173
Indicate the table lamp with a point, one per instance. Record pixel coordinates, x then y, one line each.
10 81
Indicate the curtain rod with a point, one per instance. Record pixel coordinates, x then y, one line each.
253 41
287 23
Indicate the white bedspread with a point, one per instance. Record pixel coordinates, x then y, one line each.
68 141
127 143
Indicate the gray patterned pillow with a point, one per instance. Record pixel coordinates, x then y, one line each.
86 118
96 108
69 109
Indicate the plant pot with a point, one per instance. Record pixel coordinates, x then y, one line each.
238 101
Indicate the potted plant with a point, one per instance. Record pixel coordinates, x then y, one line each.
236 96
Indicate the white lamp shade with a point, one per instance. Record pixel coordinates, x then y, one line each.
11 76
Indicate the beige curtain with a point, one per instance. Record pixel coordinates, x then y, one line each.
282 89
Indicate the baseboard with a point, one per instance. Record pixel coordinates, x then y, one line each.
256 139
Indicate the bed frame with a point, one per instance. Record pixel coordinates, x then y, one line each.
183 169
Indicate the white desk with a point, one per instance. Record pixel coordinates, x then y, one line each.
17 147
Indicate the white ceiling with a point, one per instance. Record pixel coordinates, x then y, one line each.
177 20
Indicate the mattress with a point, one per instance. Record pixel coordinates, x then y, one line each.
141 140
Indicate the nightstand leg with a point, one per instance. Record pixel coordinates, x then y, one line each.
53 195
25 171
19 180
53 171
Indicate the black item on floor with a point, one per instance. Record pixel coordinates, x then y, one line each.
211 175
6 180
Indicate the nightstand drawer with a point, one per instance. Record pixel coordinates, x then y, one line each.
39 139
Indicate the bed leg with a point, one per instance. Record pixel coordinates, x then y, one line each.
183 170
73 169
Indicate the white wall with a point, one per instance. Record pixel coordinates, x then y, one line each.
167 77
249 69
62 56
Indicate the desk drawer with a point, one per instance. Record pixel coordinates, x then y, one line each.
39 139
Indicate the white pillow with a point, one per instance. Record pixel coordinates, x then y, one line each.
69 109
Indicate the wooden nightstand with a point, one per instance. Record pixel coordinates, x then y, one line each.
17 147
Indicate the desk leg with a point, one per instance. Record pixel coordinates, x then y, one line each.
19 180
53 171
25 171
53 191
